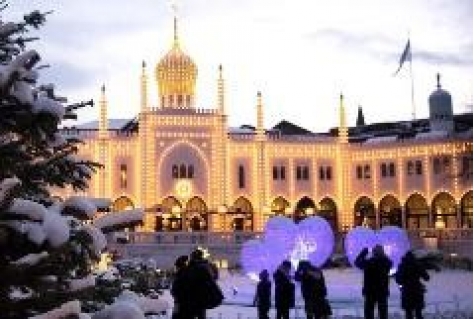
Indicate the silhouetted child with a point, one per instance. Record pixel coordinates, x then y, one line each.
263 295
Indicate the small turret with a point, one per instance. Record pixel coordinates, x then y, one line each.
342 131
220 92
441 109
360 117
260 130
103 120
143 88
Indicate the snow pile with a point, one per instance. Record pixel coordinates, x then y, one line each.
20 293
99 242
31 259
6 186
28 209
118 220
70 308
82 283
76 204
120 310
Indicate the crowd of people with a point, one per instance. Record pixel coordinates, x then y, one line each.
197 275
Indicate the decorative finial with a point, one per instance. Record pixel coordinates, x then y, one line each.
259 94
143 64
174 7
438 80
102 88
341 97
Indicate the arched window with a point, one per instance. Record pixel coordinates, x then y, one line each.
190 171
410 168
306 173
359 172
419 168
328 173
367 171
383 170
275 173
298 173
282 172
180 100
174 171
182 171
391 169
123 176
436 166
321 173
241 177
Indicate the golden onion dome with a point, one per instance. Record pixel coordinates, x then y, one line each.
176 76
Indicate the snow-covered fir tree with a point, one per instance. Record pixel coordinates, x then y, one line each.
46 249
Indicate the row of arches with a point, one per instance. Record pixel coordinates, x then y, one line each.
415 213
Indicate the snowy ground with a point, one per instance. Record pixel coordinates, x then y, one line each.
449 295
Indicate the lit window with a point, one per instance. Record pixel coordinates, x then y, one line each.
410 168
123 176
367 171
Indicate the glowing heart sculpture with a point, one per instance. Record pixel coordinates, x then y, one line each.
312 239
393 239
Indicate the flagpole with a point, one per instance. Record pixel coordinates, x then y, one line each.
413 106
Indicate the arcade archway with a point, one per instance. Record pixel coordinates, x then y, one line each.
390 211
364 212
242 215
304 207
417 212
444 211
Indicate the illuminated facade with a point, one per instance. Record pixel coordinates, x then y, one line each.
192 172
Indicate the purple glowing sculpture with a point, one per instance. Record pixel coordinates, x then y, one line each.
356 240
314 241
393 239
395 243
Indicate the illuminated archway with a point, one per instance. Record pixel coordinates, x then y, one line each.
304 207
466 210
171 214
122 203
390 211
242 212
196 214
279 205
443 208
364 212
417 212
328 210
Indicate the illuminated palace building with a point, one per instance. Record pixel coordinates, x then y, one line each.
191 172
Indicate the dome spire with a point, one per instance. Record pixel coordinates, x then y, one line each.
174 7
438 80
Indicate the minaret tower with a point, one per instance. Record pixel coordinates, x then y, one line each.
342 132
103 120
260 129
143 89
220 92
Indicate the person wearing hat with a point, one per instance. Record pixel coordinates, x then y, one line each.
179 290
284 290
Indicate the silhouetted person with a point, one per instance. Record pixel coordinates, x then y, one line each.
179 290
409 275
313 290
201 286
263 295
376 281
284 291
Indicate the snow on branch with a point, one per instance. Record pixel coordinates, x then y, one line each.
98 239
119 220
70 308
79 207
31 259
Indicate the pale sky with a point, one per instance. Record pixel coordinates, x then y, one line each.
300 53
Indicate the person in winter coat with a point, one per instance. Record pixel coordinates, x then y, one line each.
313 290
376 281
284 290
409 275
263 295
181 309
201 285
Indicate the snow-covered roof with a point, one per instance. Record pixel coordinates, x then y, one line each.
431 135
114 124
240 130
382 139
